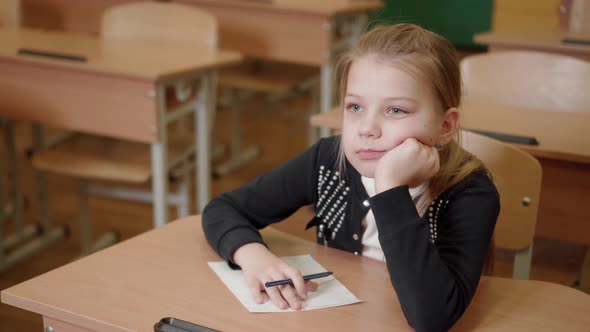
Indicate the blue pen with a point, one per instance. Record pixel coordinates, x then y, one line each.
289 281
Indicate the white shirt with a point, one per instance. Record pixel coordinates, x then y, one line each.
370 239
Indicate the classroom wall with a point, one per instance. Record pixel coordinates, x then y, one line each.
526 14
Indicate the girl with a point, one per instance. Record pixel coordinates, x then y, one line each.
396 186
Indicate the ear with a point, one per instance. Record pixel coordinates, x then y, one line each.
450 125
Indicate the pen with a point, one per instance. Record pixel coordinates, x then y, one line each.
289 281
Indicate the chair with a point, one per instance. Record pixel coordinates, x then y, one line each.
527 79
9 18
520 78
579 16
25 240
517 176
89 157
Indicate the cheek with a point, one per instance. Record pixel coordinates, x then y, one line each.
397 133
346 141
423 132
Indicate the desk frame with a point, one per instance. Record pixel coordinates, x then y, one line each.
134 95
117 92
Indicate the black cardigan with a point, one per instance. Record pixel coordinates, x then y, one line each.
434 262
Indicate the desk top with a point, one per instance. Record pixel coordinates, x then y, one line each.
164 272
323 7
135 60
295 31
561 135
547 40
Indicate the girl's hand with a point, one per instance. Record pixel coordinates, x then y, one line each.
260 266
410 163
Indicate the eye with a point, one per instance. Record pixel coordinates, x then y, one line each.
396 110
353 107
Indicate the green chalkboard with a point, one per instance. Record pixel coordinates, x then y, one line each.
457 20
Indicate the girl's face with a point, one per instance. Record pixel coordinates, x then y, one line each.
383 106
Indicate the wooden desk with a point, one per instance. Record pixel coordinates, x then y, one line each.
164 272
532 40
297 31
564 153
119 91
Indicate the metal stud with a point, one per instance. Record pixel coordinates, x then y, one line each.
526 201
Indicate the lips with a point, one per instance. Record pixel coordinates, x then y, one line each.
369 154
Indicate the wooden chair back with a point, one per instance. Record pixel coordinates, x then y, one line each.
160 22
528 79
517 176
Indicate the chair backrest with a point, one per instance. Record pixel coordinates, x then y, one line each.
10 14
517 175
528 79
160 22
579 20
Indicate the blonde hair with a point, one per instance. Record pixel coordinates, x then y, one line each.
432 58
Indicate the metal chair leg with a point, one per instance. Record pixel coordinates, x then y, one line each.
23 243
239 156
522 263
183 192
88 245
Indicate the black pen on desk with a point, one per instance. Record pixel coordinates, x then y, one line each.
289 281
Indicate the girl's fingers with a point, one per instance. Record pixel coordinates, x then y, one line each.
282 296
288 293
255 290
276 297
311 286
298 281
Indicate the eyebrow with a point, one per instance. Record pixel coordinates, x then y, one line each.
388 98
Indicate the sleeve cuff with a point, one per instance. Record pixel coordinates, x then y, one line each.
233 240
393 209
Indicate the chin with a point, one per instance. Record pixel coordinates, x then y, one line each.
364 169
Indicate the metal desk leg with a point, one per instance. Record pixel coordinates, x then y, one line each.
239 155
47 236
325 93
159 168
203 169
13 178
89 245
326 82
14 210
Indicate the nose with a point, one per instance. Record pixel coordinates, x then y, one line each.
370 126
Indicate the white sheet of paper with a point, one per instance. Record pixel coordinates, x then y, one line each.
330 292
